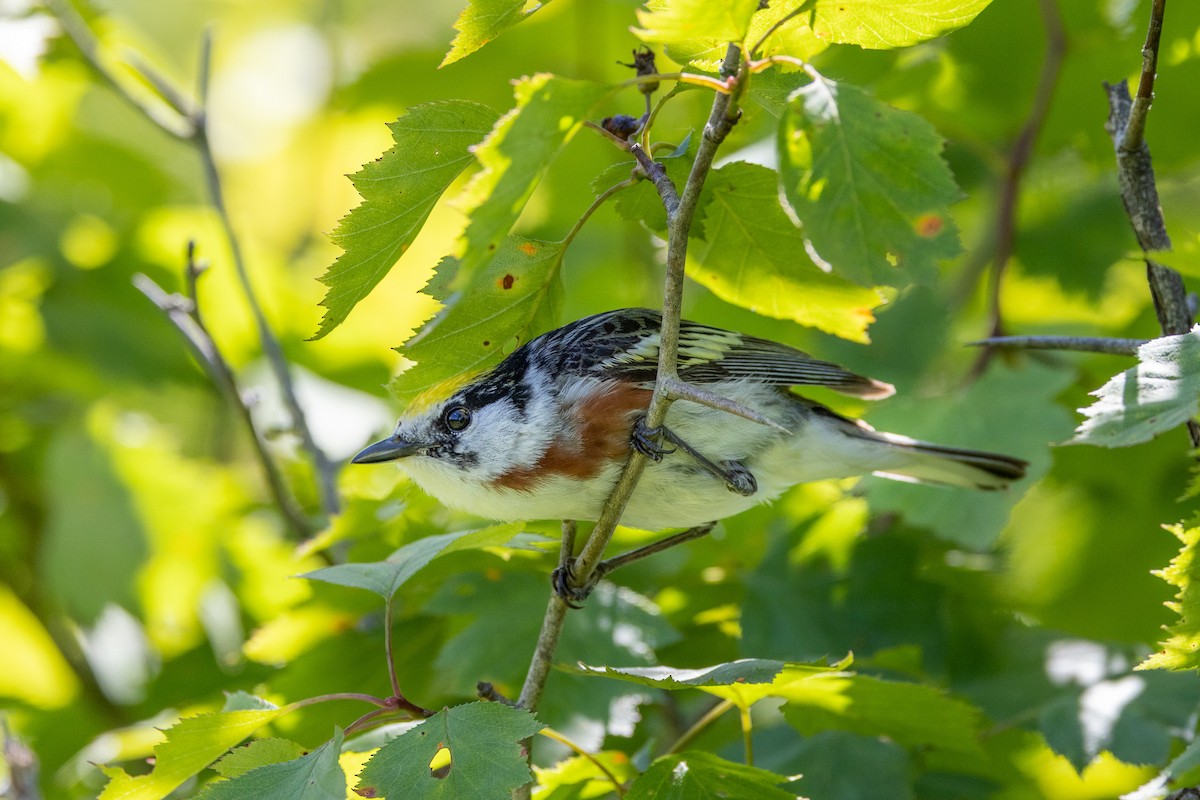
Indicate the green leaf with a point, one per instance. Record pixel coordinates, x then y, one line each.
485 757
746 670
913 715
868 183
884 24
1160 393
1181 650
515 155
753 256
794 37
505 305
387 576
695 775
191 745
678 21
432 146
482 21
255 754
316 776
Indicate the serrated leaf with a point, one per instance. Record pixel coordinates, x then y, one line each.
884 24
255 754
1181 650
881 768
515 155
695 775
191 745
914 715
514 298
482 21
868 183
675 21
399 189
485 756
794 35
582 774
1160 393
387 576
753 256
315 776
746 670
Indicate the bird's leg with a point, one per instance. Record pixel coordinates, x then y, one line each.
564 579
647 440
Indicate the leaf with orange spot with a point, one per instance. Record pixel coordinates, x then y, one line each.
868 183
753 256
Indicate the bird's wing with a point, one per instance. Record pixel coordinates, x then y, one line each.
625 343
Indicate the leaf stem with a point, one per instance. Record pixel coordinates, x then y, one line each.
554 735
387 646
747 733
599 201
699 726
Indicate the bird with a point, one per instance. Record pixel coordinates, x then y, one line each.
546 432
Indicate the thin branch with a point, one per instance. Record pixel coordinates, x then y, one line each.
205 350
681 390
325 470
599 201
803 7
387 647
700 725
1136 129
1084 344
175 124
1004 226
721 120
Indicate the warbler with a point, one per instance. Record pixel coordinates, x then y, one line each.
545 434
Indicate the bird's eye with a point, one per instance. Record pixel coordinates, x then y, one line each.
457 418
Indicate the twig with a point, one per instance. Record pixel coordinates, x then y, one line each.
326 473
1004 233
1085 344
721 120
708 718
176 124
190 124
1136 129
205 350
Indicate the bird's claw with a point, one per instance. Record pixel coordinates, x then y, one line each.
738 479
648 441
563 581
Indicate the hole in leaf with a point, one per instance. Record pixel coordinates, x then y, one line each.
439 765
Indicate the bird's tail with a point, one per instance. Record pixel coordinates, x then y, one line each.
934 463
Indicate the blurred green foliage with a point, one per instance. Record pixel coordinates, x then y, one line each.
145 570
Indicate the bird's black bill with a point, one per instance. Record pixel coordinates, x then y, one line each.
389 449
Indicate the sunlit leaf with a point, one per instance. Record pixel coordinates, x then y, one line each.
385 577
1160 393
747 670
505 305
1181 650
515 156
694 774
673 21
582 774
482 21
753 256
868 182
484 761
432 146
191 745
32 670
882 24
313 776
